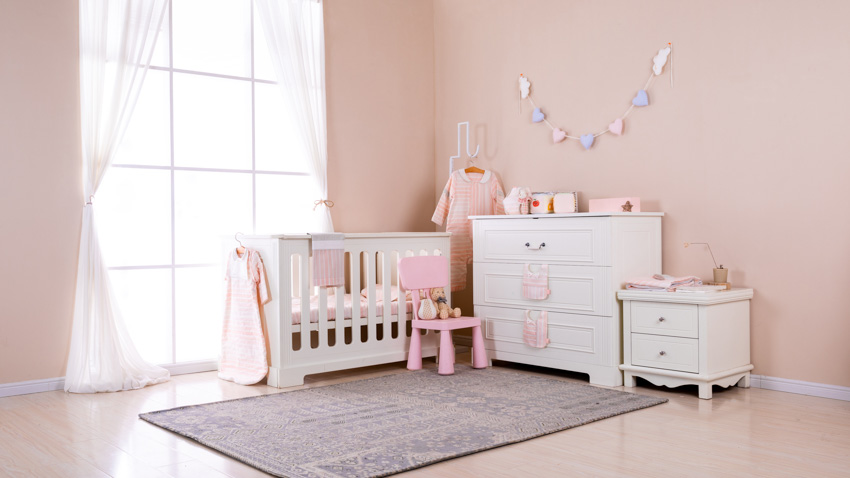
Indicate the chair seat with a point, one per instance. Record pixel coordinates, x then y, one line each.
446 324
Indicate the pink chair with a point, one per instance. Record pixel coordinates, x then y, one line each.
424 273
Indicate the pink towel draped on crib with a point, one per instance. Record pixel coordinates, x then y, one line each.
328 259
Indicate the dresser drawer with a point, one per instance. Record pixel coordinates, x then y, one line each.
659 318
572 337
577 289
669 353
582 241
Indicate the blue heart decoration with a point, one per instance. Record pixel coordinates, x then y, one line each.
641 99
537 116
587 140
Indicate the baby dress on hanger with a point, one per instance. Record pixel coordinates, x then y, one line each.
243 345
466 194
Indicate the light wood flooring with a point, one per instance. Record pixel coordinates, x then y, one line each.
741 432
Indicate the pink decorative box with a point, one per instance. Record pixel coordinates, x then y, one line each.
615 205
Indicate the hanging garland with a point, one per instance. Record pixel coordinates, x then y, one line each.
616 127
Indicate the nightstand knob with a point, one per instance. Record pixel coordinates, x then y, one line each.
662 353
661 319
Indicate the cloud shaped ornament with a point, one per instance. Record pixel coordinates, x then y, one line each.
659 60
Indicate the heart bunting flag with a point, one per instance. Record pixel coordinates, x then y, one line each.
641 99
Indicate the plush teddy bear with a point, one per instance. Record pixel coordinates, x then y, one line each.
438 295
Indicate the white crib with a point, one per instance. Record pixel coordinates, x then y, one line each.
301 347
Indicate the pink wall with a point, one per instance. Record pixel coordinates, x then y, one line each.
748 152
40 185
380 94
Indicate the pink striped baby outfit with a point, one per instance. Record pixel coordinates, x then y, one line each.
466 194
535 285
328 259
243 344
536 332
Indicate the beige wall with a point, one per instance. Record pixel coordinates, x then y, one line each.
380 93
748 152
40 185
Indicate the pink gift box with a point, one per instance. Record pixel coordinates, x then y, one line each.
614 204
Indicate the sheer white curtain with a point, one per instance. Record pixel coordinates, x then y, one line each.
294 31
117 38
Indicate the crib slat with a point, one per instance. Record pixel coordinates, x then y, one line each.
306 278
323 317
340 315
371 278
355 296
386 280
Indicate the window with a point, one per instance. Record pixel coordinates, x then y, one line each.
210 151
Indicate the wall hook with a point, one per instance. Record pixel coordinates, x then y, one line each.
471 155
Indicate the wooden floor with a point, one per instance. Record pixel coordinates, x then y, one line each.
741 432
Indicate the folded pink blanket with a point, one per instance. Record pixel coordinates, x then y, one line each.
662 282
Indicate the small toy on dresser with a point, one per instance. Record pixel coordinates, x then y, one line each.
625 204
444 311
517 201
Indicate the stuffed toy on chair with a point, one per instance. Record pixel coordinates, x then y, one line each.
438 295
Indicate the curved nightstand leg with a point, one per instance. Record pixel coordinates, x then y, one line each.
744 382
629 380
705 391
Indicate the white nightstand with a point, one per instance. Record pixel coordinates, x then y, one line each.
680 338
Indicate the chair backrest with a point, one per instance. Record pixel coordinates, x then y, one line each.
422 272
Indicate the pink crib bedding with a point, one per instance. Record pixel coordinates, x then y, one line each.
364 308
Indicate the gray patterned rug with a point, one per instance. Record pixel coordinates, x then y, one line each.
386 425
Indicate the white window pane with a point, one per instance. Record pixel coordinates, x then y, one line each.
144 296
263 67
147 140
160 52
213 36
198 312
212 122
208 206
133 213
285 204
277 141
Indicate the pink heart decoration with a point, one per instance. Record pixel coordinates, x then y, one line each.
616 127
558 135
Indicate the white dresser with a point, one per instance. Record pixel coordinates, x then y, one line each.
678 338
590 257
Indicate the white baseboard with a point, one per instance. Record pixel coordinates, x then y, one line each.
53 384
799 387
31 386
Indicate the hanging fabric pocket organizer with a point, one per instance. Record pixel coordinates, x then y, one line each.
535 285
535 333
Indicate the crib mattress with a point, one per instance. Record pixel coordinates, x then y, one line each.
348 307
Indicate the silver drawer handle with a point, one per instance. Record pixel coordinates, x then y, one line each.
528 246
662 353
661 319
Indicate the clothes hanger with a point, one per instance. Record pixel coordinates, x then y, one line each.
241 249
473 168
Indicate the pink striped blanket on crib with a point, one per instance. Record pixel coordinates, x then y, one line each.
328 259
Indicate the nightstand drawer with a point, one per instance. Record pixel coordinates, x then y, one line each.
577 241
669 353
659 318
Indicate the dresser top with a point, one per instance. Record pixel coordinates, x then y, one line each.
574 214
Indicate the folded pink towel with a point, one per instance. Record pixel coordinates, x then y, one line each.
328 259
662 282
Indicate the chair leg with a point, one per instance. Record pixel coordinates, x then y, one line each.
447 352
479 355
414 354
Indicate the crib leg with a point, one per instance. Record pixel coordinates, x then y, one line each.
414 355
447 354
